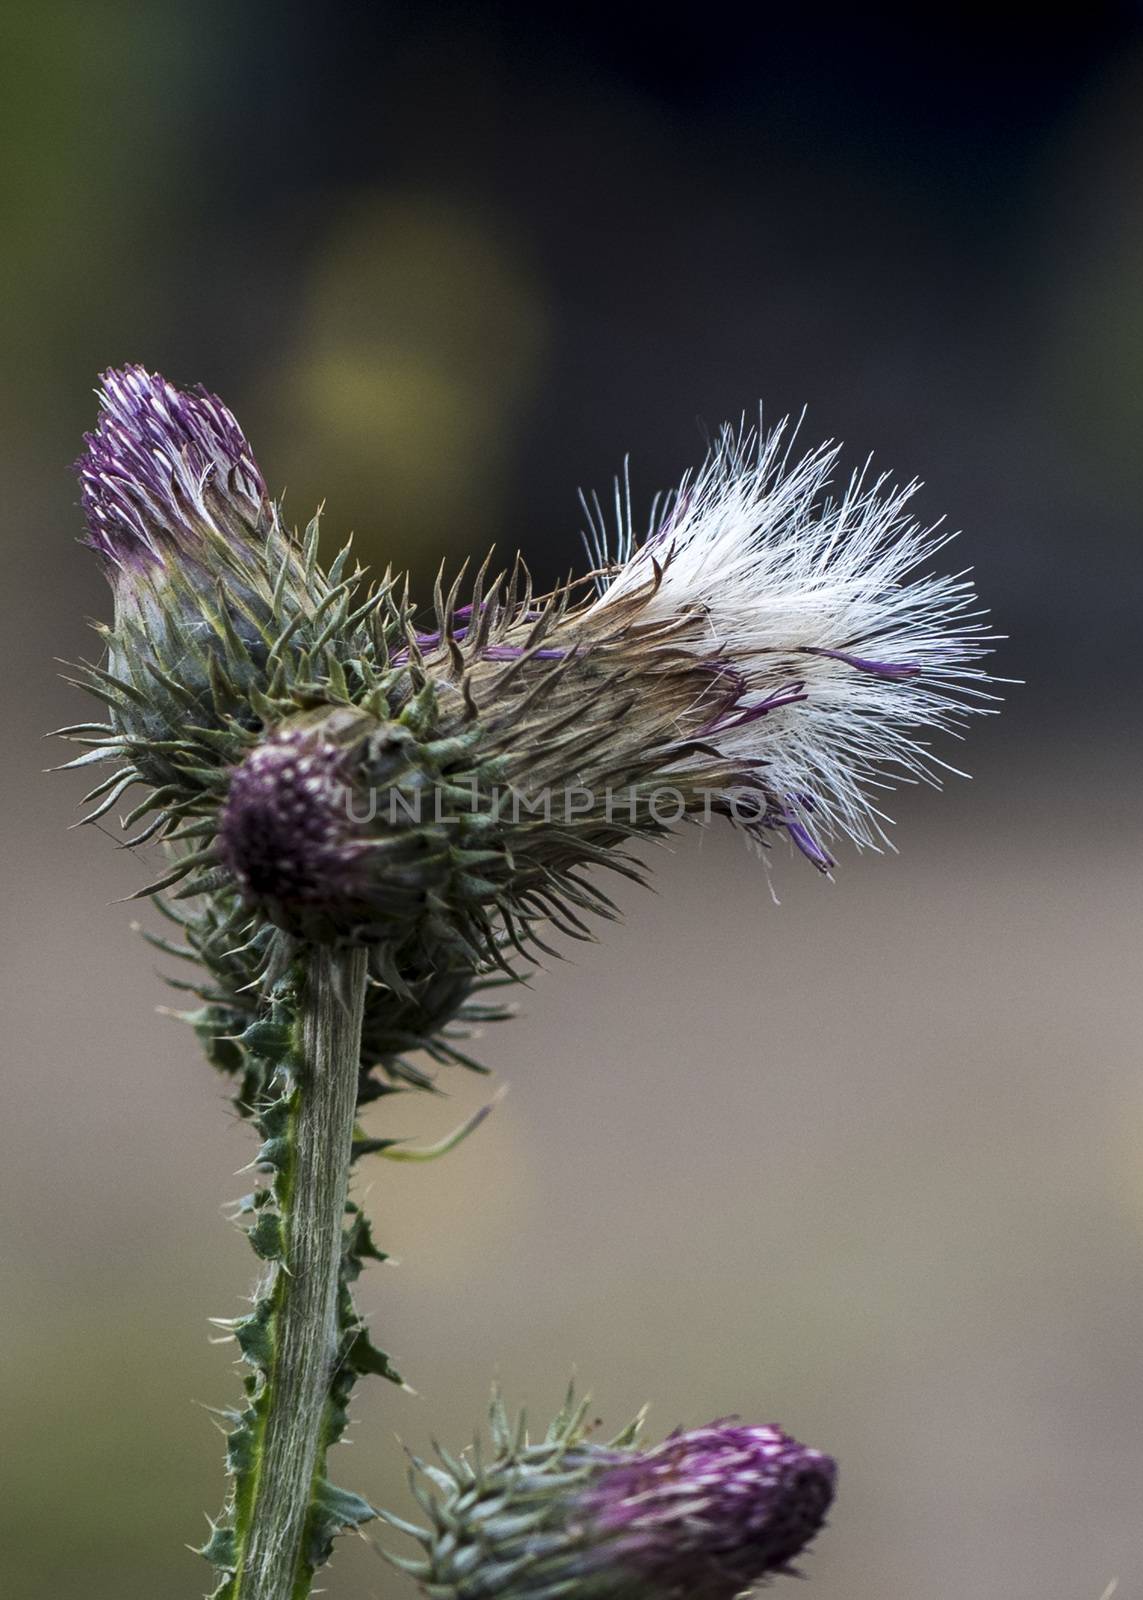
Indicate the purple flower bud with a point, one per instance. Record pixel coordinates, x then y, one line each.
203 574
166 473
708 1513
285 830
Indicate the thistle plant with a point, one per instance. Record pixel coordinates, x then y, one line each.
373 818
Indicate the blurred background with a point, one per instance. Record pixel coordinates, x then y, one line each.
868 1162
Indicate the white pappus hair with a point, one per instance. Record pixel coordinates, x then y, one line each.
849 649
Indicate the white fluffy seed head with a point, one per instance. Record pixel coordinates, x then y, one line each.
821 603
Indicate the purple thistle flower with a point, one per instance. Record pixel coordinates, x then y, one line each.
709 1513
706 1515
166 473
204 576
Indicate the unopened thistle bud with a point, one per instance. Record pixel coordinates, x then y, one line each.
285 830
202 573
706 1515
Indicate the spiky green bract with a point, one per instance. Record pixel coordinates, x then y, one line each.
190 679
242 963
492 1521
706 1515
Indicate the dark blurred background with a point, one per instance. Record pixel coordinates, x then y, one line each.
868 1163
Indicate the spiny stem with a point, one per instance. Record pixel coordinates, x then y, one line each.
272 1564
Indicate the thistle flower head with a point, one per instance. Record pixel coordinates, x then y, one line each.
706 1515
203 575
167 474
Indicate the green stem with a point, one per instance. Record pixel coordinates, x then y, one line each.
272 1563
